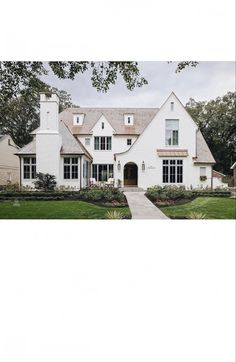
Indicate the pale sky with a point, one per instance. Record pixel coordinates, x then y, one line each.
207 81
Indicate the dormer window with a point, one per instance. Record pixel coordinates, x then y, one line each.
128 119
78 119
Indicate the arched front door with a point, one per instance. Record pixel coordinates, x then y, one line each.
130 174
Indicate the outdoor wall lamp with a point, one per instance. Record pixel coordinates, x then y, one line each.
118 166
143 166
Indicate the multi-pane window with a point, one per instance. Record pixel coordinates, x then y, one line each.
102 172
29 169
172 171
71 168
102 143
129 141
172 132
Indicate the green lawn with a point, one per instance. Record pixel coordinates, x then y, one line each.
212 207
54 210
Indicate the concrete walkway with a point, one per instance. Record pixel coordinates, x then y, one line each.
142 208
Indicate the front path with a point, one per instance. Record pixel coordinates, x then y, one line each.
142 208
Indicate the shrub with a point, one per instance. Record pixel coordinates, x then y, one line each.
9 187
196 215
156 193
45 181
105 195
114 214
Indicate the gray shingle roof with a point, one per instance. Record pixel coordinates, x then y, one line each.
204 155
70 145
115 116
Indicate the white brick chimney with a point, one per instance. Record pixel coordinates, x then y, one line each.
48 139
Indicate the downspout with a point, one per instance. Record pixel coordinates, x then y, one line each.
20 184
81 172
212 177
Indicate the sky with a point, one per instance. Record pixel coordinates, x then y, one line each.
207 81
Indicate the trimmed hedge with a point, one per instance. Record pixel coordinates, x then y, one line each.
109 195
159 194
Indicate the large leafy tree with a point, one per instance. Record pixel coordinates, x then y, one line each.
216 120
19 116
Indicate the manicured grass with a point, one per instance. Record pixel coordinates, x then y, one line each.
212 207
55 210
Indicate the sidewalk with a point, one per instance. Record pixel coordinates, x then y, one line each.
142 208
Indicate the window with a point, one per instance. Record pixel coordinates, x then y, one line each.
171 106
202 171
102 125
78 119
102 172
128 119
87 141
129 141
172 132
172 171
29 171
86 169
71 168
102 143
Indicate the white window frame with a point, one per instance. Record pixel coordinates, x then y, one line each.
128 119
169 165
171 129
71 164
202 171
78 119
32 167
100 143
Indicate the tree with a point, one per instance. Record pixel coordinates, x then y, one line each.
19 116
16 76
216 120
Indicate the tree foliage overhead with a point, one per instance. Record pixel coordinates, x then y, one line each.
217 122
19 116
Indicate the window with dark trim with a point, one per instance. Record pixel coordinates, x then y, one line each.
70 168
102 143
172 171
102 172
29 168
129 141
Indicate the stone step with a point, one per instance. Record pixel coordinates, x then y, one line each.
131 189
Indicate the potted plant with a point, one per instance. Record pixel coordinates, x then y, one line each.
203 178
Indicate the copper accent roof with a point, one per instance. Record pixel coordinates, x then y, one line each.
172 153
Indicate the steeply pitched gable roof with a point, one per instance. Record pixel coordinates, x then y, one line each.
115 116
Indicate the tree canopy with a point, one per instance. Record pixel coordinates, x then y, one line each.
216 120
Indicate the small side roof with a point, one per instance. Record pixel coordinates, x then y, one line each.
204 154
70 145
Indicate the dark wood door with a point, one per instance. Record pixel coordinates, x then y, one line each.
130 174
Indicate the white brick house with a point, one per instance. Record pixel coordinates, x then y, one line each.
137 146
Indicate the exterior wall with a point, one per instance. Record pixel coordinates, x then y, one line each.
119 143
48 139
217 182
153 138
9 162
